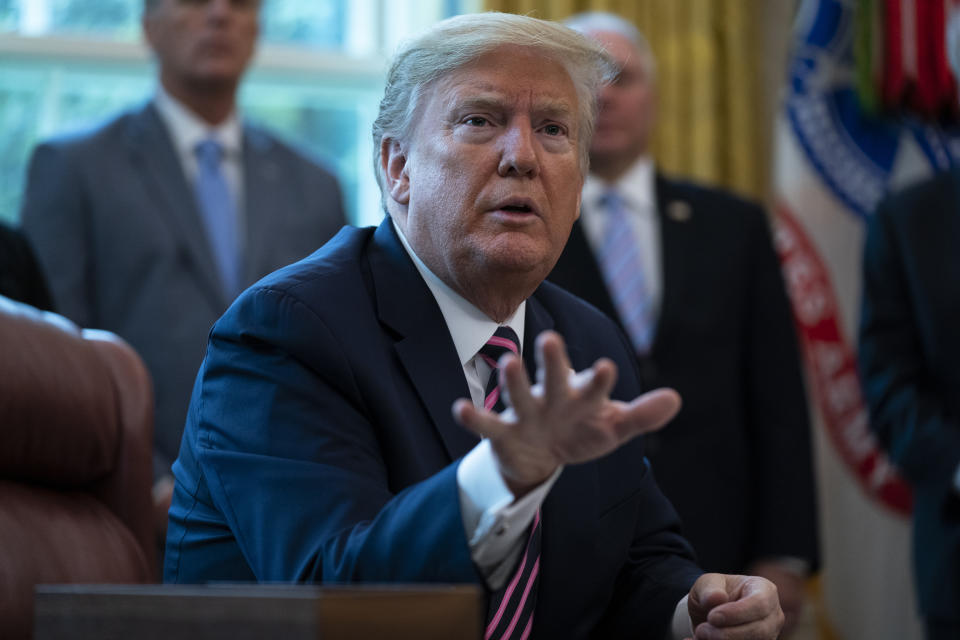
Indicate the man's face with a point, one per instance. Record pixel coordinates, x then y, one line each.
202 42
490 174
627 105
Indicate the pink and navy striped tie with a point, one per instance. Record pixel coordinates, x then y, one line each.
503 341
510 616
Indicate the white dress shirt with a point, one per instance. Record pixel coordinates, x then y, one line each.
187 130
637 189
494 522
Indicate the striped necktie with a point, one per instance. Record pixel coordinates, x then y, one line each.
623 272
219 214
510 615
503 341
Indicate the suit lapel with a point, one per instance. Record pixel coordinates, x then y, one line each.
260 174
675 216
155 159
424 346
536 320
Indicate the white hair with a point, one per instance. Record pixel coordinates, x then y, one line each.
592 21
455 42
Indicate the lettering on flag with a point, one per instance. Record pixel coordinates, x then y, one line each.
833 366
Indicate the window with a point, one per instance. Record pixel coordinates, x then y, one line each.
66 65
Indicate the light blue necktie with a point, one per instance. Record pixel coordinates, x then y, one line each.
623 272
219 214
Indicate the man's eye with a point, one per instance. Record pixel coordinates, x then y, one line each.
553 130
476 121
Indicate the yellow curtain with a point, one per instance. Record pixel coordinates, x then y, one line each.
714 119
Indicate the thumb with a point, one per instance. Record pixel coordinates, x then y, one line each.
709 591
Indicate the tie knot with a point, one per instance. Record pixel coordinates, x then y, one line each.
503 340
612 201
209 152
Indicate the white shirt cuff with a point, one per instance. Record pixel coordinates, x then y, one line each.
682 625
493 521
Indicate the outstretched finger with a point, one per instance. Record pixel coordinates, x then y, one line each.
485 424
648 412
553 365
515 386
597 382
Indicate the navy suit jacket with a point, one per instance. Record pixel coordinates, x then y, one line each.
320 447
20 275
910 364
725 339
117 229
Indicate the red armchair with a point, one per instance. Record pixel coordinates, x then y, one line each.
76 429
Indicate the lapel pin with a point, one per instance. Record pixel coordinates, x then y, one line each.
679 211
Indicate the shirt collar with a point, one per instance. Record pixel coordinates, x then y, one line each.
469 327
636 186
187 129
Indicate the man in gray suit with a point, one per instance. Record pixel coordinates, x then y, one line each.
150 225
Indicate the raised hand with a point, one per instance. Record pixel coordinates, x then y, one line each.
565 418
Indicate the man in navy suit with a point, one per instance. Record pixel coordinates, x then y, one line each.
908 355
330 438
119 220
712 321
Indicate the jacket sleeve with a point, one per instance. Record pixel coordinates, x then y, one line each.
293 462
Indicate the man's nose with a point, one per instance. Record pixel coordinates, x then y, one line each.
519 155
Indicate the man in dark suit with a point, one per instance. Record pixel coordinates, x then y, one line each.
698 288
328 438
908 355
143 235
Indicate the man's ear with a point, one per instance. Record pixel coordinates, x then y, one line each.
393 163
